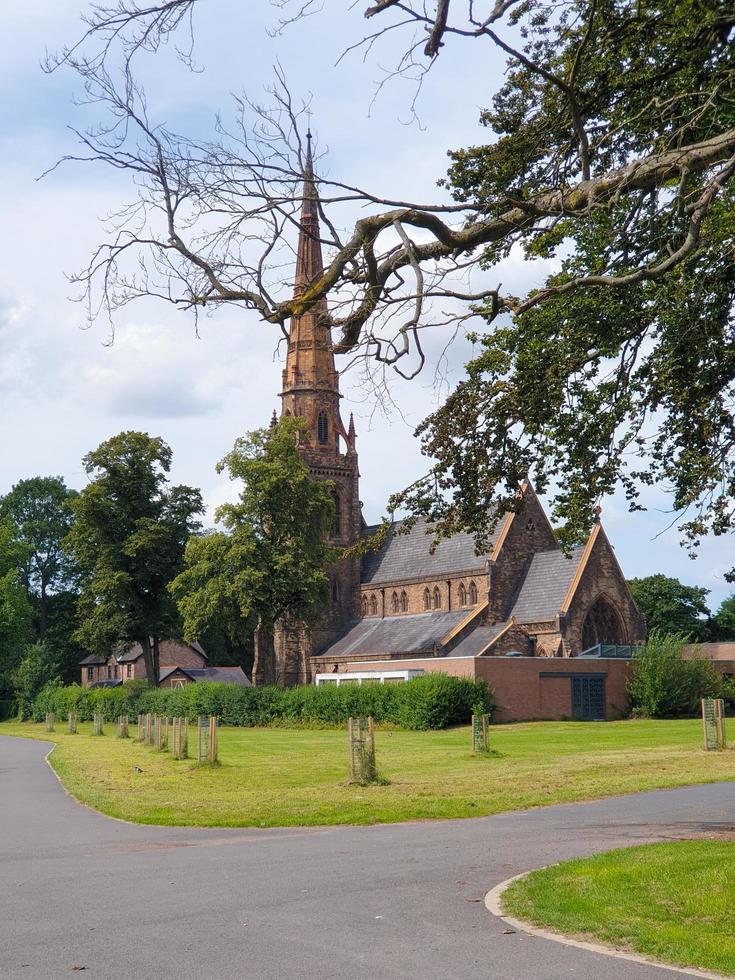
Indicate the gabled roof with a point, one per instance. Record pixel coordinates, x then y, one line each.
546 585
408 556
165 672
219 675
168 649
478 640
419 633
94 659
107 682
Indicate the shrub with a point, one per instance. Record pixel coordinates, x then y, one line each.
431 701
665 684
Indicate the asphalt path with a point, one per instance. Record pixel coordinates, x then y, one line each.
81 894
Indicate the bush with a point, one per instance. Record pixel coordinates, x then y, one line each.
431 701
665 684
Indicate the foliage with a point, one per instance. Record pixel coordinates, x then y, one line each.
269 561
665 684
37 670
15 610
668 606
723 622
432 701
39 509
128 537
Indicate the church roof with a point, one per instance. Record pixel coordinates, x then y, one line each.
477 641
546 585
407 556
419 633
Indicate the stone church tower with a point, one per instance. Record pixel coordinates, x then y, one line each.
311 391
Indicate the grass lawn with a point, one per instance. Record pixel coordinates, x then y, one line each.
671 901
285 777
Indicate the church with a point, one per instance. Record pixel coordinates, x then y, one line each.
548 631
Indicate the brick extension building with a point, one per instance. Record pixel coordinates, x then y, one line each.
179 663
514 616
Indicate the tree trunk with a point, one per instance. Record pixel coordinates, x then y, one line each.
264 664
150 646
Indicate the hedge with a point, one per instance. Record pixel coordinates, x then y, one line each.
428 702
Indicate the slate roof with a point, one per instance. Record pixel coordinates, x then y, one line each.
93 658
220 675
168 649
545 586
107 682
396 634
165 672
476 641
407 556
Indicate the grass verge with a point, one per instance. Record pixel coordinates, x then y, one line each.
287 777
673 901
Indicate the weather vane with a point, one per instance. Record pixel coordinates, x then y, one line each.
308 118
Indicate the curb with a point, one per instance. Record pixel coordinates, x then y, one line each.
494 905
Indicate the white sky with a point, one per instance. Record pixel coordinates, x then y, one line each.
64 389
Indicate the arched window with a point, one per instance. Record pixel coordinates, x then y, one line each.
363 606
404 602
394 602
437 598
322 428
462 594
473 594
427 599
602 624
373 605
337 522
335 590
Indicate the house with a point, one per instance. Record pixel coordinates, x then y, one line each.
179 663
520 615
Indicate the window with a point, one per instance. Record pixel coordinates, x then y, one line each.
394 602
322 428
404 602
462 594
129 670
373 605
437 598
337 522
90 673
473 594
364 606
427 599
335 590
109 672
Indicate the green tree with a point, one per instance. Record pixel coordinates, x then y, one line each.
269 561
37 668
128 537
15 610
723 621
665 683
38 508
669 606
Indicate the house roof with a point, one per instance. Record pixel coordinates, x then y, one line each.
165 672
219 675
419 633
93 659
546 585
168 649
407 556
477 641
107 682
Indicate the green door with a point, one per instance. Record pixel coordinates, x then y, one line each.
588 698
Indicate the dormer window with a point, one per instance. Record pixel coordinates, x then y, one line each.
322 429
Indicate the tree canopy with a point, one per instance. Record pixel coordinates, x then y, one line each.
609 147
15 610
268 563
128 537
723 622
39 509
669 606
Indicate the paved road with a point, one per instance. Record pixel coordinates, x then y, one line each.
342 903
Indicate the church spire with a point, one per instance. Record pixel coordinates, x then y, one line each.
310 380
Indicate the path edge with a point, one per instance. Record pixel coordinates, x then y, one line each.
494 905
